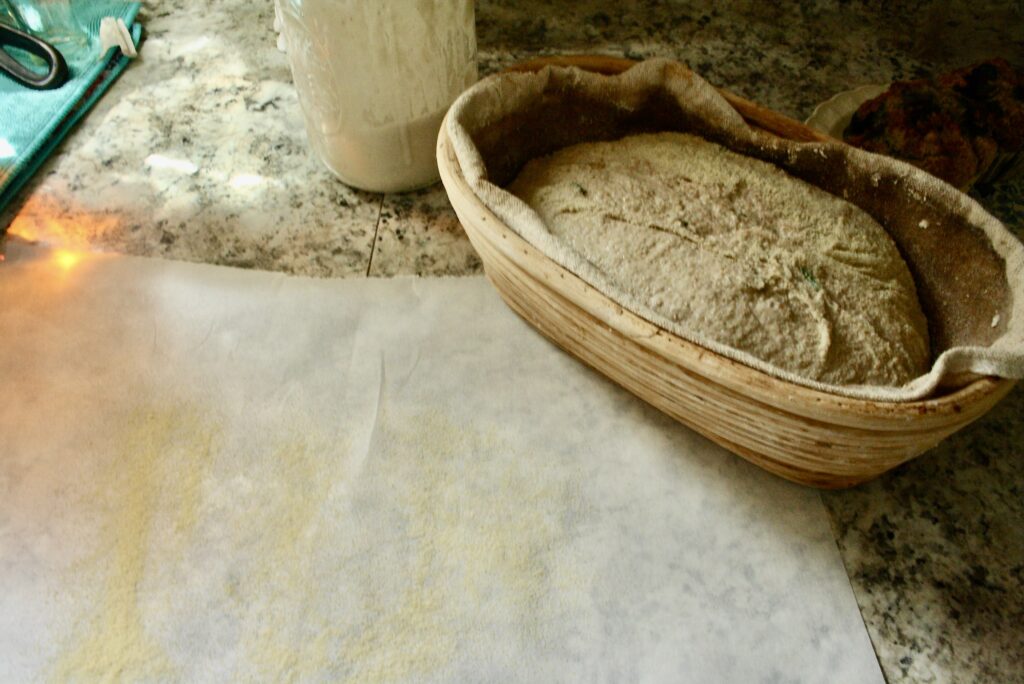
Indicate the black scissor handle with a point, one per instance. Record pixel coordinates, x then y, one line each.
53 78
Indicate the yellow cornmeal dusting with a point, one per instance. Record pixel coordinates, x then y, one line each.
482 524
307 590
113 645
192 477
300 473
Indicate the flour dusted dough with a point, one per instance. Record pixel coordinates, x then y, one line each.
739 252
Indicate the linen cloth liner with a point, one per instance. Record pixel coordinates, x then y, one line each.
968 268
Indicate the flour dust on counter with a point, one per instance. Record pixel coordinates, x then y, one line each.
215 474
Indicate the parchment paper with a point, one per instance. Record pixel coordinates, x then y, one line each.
218 475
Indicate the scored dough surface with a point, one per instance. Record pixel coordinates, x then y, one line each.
738 252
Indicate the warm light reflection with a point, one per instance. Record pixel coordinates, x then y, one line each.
66 259
61 223
245 180
159 161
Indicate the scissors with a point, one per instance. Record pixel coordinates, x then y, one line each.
57 69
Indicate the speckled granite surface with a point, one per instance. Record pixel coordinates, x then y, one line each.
198 153
935 554
419 233
935 549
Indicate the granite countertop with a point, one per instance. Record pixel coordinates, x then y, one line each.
198 153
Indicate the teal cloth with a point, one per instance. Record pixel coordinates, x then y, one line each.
33 122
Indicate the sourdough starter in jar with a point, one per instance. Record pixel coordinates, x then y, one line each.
375 78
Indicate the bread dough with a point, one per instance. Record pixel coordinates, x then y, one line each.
738 252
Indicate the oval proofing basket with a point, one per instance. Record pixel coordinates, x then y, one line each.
801 434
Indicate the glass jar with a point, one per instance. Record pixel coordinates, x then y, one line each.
375 79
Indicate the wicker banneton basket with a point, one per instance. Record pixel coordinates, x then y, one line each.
801 434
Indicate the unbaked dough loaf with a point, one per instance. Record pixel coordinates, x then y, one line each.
738 252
